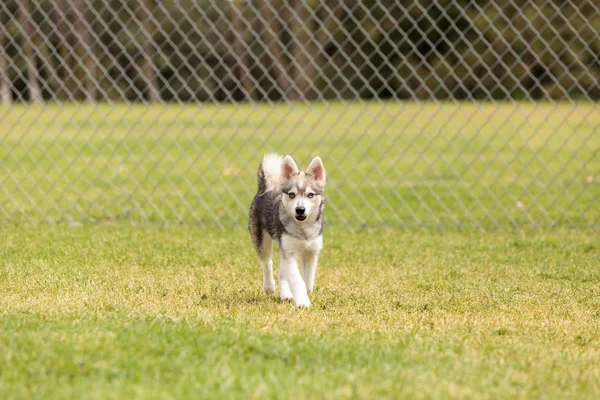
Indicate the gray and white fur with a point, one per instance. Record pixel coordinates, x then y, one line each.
288 208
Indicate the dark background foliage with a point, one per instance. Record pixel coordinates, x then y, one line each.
299 50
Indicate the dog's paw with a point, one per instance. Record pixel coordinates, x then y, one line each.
269 287
285 293
285 297
303 303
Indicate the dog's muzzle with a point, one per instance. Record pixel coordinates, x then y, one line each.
300 216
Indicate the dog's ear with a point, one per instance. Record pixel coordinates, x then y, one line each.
317 170
288 168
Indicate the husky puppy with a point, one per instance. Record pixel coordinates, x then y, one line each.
288 208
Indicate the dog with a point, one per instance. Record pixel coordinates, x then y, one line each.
289 209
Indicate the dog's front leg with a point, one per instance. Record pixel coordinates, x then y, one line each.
309 269
290 277
284 284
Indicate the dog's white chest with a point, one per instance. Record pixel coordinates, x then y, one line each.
299 246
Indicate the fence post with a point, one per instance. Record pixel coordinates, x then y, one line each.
303 70
5 90
149 50
62 11
242 58
272 28
85 62
27 30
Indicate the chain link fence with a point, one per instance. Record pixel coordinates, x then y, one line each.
427 113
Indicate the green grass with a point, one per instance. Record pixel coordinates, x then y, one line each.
110 310
114 311
401 164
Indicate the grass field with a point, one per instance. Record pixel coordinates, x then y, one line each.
403 164
114 311
112 303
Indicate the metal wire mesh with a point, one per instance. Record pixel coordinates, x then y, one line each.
443 113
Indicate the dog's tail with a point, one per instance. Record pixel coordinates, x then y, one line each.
269 173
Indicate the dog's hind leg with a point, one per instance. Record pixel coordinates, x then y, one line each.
265 252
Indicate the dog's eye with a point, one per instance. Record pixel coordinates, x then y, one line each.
311 195
292 195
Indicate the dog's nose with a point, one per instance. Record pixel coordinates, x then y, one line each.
300 210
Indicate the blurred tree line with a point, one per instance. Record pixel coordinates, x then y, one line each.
236 50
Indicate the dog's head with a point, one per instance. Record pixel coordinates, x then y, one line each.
302 191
